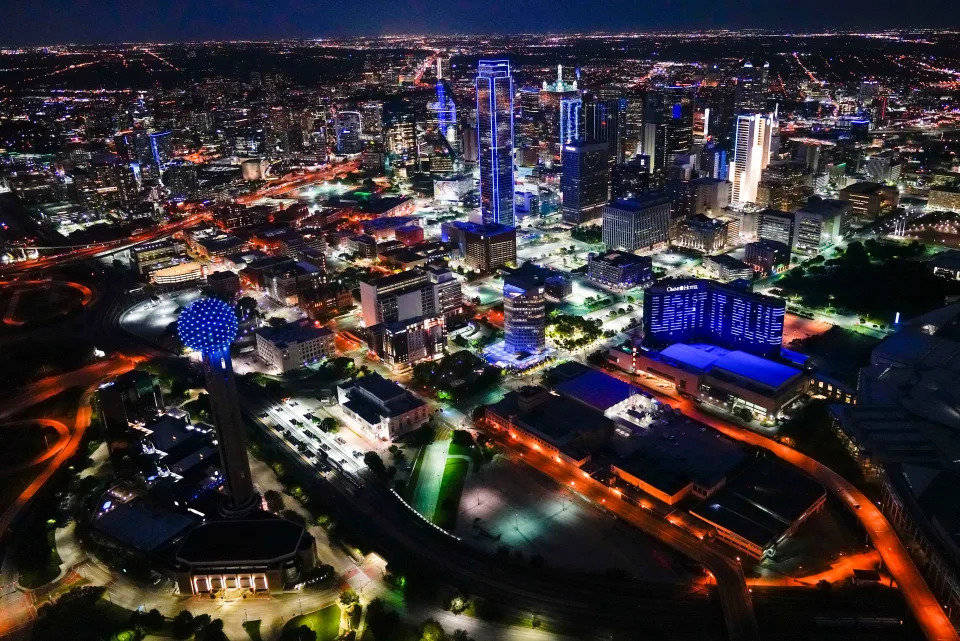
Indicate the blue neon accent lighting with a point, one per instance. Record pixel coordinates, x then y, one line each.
208 325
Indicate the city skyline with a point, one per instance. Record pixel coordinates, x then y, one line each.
52 22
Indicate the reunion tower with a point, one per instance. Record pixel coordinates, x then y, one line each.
209 326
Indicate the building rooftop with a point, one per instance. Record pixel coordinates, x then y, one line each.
763 502
596 389
620 258
142 526
293 333
640 202
670 456
255 541
704 358
864 187
726 260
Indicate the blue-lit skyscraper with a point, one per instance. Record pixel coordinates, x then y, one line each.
571 121
443 114
685 311
495 141
524 310
209 326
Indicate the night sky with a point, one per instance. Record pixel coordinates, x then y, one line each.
60 21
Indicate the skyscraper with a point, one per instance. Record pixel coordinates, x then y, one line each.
637 223
571 121
751 155
495 140
585 181
209 326
524 310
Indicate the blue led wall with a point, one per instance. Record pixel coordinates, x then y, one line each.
689 311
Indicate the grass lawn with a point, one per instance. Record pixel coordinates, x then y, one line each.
473 451
451 487
325 622
414 475
252 628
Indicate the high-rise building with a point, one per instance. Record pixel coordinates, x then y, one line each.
443 68
638 223
524 310
348 127
621 270
776 225
784 186
209 326
694 310
585 181
428 292
751 155
400 344
494 86
571 121
605 120
372 119
442 114
750 95
819 223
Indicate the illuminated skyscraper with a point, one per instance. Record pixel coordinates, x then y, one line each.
571 121
348 132
524 310
443 115
751 155
209 326
495 141
585 181
443 67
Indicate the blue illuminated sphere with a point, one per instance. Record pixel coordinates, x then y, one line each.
207 325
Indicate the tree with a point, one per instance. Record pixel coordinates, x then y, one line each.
461 635
274 500
183 624
348 597
431 630
743 414
330 424
299 633
375 463
213 631
276 321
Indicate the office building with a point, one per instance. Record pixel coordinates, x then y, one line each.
571 122
784 186
401 344
156 254
869 201
585 181
751 155
494 86
605 120
294 345
348 128
631 179
819 224
702 233
642 222
443 68
209 326
709 195
776 225
428 292
767 256
726 268
483 247
943 199
381 407
693 310
621 270
524 310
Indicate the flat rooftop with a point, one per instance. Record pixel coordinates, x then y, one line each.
763 502
255 541
672 455
596 389
293 333
705 358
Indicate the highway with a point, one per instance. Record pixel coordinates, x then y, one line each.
291 182
924 606
98 249
90 377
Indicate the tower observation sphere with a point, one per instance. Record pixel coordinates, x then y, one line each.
208 325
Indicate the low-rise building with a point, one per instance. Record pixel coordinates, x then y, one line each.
767 256
620 269
381 407
294 345
726 268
